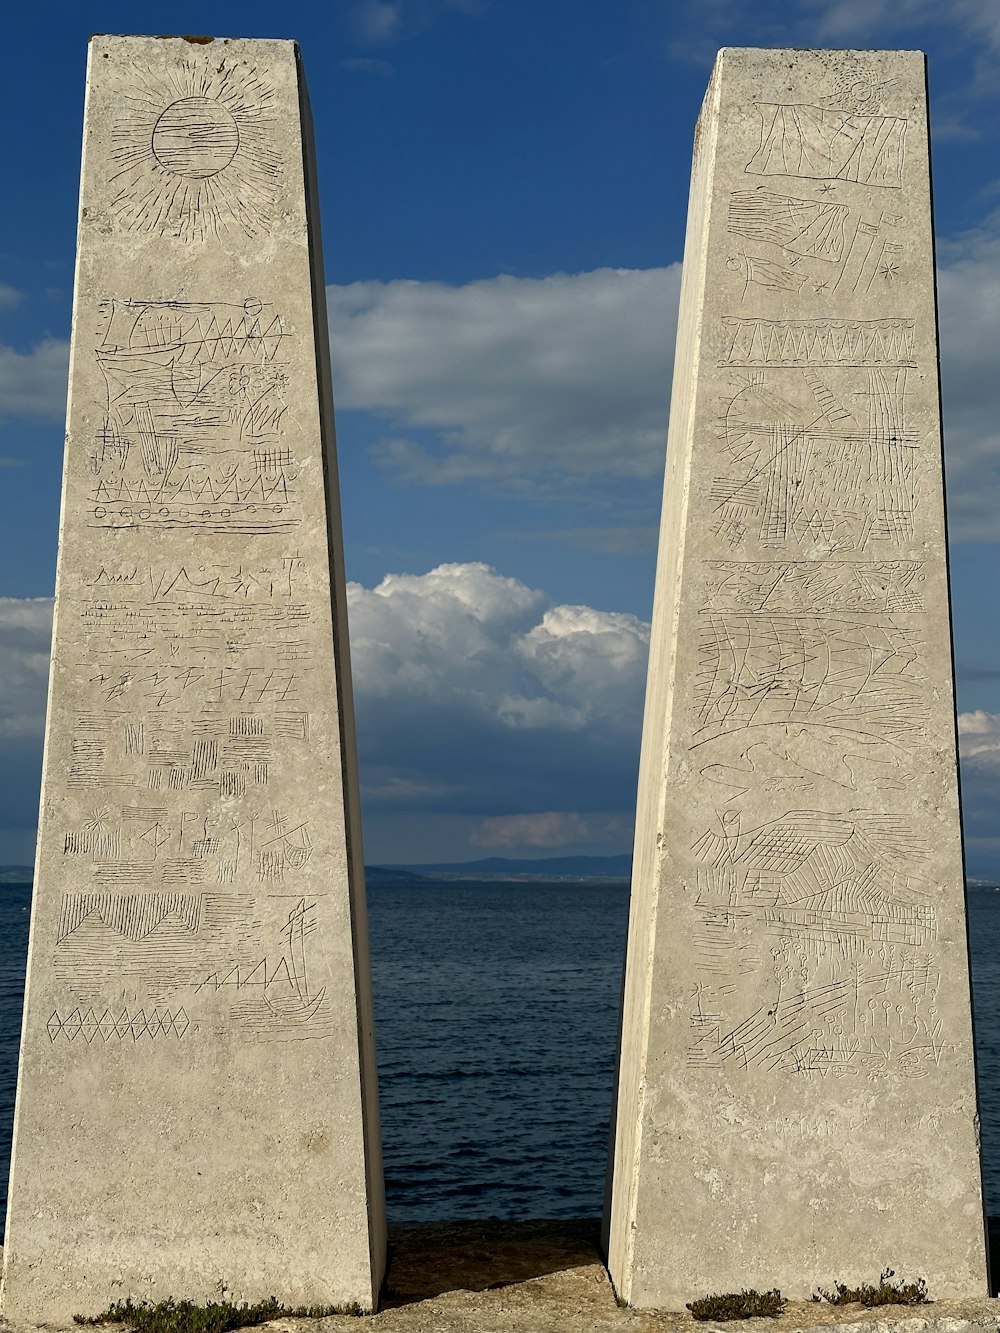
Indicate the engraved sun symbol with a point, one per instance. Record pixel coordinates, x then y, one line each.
888 270
194 152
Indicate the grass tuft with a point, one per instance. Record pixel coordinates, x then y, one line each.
172 1316
886 1293
739 1305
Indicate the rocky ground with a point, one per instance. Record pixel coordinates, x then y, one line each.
547 1277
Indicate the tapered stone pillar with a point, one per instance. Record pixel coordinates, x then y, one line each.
797 1097
197 1111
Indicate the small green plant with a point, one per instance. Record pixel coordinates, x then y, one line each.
739 1305
886 1293
172 1316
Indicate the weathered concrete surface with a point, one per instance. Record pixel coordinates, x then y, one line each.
197 1102
546 1277
797 1093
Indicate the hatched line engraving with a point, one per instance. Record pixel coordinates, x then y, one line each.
817 586
825 143
819 456
195 403
813 228
850 675
134 916
814 947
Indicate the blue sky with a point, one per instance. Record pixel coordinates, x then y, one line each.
503 191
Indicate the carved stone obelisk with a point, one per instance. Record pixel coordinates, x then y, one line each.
197 1112
797 1098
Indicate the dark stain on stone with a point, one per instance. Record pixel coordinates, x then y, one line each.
183 37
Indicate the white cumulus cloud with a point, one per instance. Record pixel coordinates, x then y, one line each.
474 693
465 638
561 382
520 380
477 699
979 735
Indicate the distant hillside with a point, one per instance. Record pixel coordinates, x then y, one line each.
391 875
542 868
16 874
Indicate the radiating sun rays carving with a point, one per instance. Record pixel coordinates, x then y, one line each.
195 154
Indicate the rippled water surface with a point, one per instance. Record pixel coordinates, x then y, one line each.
497 1018
15 908
497 1013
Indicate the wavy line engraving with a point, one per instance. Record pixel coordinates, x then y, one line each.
752 341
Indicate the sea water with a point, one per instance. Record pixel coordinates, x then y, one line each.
497 1018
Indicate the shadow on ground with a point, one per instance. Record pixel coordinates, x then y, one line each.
427 1259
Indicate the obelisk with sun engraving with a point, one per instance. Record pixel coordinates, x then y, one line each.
197 1112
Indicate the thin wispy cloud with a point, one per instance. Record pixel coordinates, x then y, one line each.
969 295
845 21
626 539
549 830
25 631
521 384
384 22
375 22
33 384
369 65
694 31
